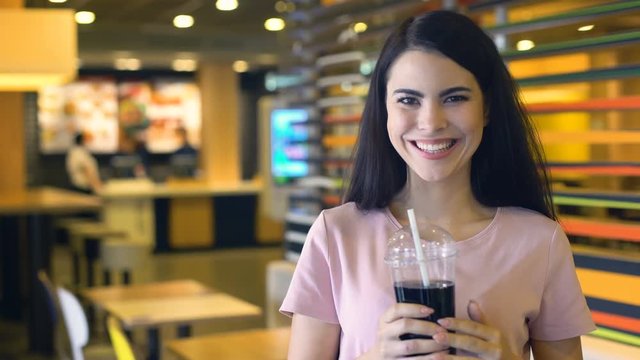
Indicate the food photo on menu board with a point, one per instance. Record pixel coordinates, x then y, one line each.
89 106
174 105
104 109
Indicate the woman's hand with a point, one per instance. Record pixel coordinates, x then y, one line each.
474 336
400 319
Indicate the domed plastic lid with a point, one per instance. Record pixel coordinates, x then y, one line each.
436 243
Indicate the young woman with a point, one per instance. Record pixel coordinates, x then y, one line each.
443 132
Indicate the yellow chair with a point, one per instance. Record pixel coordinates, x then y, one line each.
119 340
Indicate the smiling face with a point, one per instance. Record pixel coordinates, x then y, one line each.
435 115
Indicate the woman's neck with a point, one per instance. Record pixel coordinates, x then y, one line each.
450 204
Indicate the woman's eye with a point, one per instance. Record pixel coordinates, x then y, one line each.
455 98
407 101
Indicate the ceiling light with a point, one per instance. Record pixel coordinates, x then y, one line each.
360 27
240 66
130 64
281 6
183 21
85 17
524 45
274 24
57 1
226 5
586 27
184 65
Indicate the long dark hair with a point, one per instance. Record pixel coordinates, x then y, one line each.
504 168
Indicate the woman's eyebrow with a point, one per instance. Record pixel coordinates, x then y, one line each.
408 92
454 89
445 92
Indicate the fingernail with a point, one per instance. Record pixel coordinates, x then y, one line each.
440 338
426 310
444 322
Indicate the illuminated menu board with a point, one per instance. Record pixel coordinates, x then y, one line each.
112 114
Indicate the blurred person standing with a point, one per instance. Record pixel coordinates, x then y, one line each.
184 148
82 167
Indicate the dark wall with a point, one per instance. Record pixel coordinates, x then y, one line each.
252 89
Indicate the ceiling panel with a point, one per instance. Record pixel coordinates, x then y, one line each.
143 28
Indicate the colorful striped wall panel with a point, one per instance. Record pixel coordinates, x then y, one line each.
612 288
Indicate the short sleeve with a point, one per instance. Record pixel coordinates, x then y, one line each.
563 310
310 292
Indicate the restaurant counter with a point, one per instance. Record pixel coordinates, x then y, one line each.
184 214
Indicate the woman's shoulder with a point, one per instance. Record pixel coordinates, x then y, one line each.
349 213
519 217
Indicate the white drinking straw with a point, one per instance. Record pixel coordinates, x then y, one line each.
416 242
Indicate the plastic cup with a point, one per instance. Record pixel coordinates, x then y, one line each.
410 285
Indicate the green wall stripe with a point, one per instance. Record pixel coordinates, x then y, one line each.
616 336
568 200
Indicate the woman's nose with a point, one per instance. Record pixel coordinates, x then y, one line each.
431 118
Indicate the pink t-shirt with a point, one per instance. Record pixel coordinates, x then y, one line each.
519 269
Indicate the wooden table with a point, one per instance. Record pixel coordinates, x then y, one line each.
151 313
26 233
260 344
99 296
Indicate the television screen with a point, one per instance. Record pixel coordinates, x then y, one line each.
289 148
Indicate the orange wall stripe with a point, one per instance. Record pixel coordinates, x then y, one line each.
591 137
616 321
594 228
597 170
622 103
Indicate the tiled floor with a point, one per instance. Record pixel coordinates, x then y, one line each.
239 272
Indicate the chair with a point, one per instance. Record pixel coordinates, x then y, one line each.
61 342
121 256
78 329
119 340
85 239
279 274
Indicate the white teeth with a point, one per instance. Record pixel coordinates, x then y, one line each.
433 148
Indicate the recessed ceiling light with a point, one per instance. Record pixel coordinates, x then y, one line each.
184 65
274 24
85 17
130 64
226 5
57 1
183 21
524 45
281 6
360 27
586 27
240 66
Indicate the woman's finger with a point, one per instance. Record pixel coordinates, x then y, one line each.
403 326
485 349
472 328
404 310
403 348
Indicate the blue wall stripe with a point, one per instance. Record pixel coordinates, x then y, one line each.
607 264
613 307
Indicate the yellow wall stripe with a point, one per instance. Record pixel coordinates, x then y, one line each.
610 286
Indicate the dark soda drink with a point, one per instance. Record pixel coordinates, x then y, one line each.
439 295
